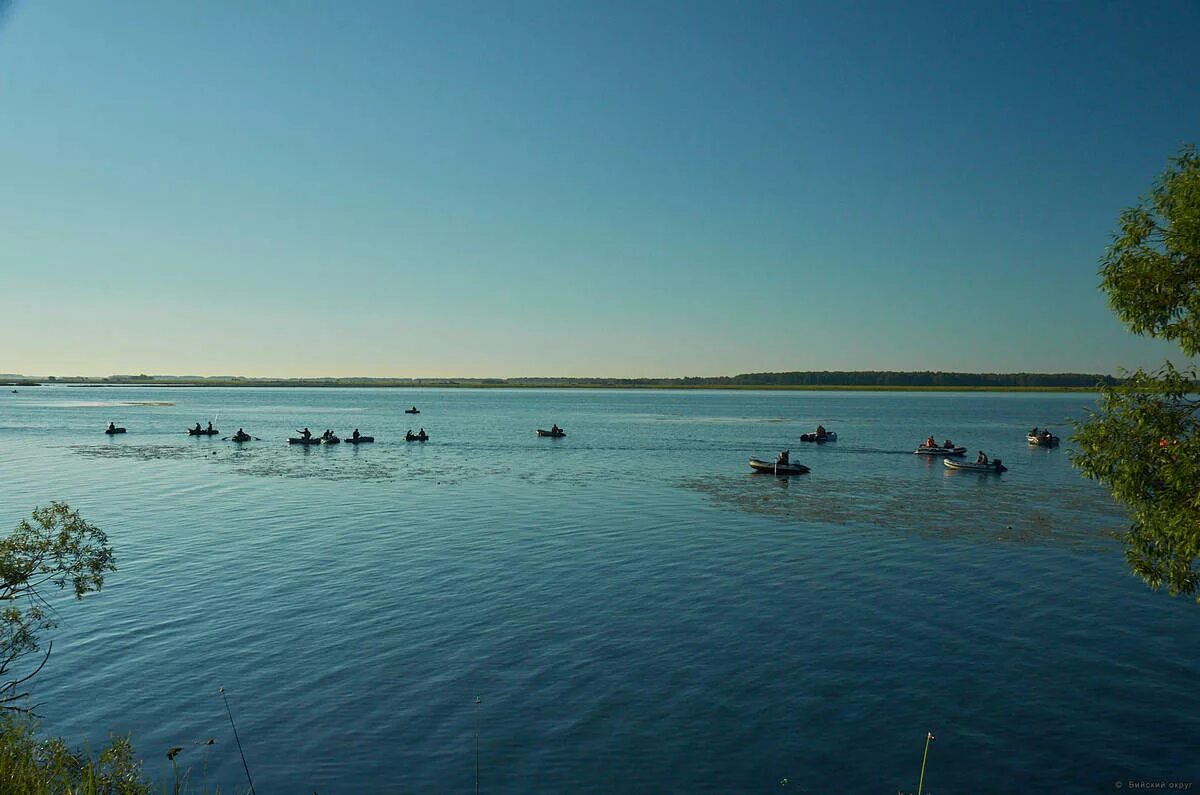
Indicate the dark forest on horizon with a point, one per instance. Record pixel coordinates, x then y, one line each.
861 379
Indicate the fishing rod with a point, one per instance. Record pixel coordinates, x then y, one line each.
229 712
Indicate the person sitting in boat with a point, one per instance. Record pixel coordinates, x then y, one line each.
328 434
355 435
422 435
1034 431
821 430
930 442
981 458
306 434
782 458
197 428
949 445
112 427
555 429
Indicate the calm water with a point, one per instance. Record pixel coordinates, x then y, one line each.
636 610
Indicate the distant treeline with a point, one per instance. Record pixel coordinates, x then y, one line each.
827 379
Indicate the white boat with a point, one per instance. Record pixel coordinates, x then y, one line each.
1042 440
991 466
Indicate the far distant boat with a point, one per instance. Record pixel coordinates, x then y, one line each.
1042 439
819 438
553 433
111 429
359 439
413 410
202 432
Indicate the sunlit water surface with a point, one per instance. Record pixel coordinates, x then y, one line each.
635 610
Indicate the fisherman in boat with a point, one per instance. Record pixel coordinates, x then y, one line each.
1034 431
555 429
306 434
196 429
981 458
355 435
327 435
821 431
782 458
210 427
112 427
949 445
930 442
422 435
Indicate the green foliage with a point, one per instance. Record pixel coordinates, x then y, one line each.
1151 271
34 766
56 547
1143 442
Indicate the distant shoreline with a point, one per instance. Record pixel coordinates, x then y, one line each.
548 384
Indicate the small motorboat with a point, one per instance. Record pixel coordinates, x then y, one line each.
359 439
202 431
413 410
772 468
949 451
240 437
416 437
330 439
113 429
818 438
1042 439
991 466
303 440
552 433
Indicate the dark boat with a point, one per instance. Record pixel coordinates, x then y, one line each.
991 466
416 437
302 440
359 439
202 432
113 430
772 468
818 438
1042 439
952 451
413 410
552 434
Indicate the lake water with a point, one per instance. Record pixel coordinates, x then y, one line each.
635 610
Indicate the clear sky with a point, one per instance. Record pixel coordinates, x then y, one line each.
561 188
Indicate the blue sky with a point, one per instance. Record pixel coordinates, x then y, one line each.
560 188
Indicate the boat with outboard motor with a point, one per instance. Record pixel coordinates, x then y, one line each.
202 432
416 437
819 438
774 468
994 466
947 451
